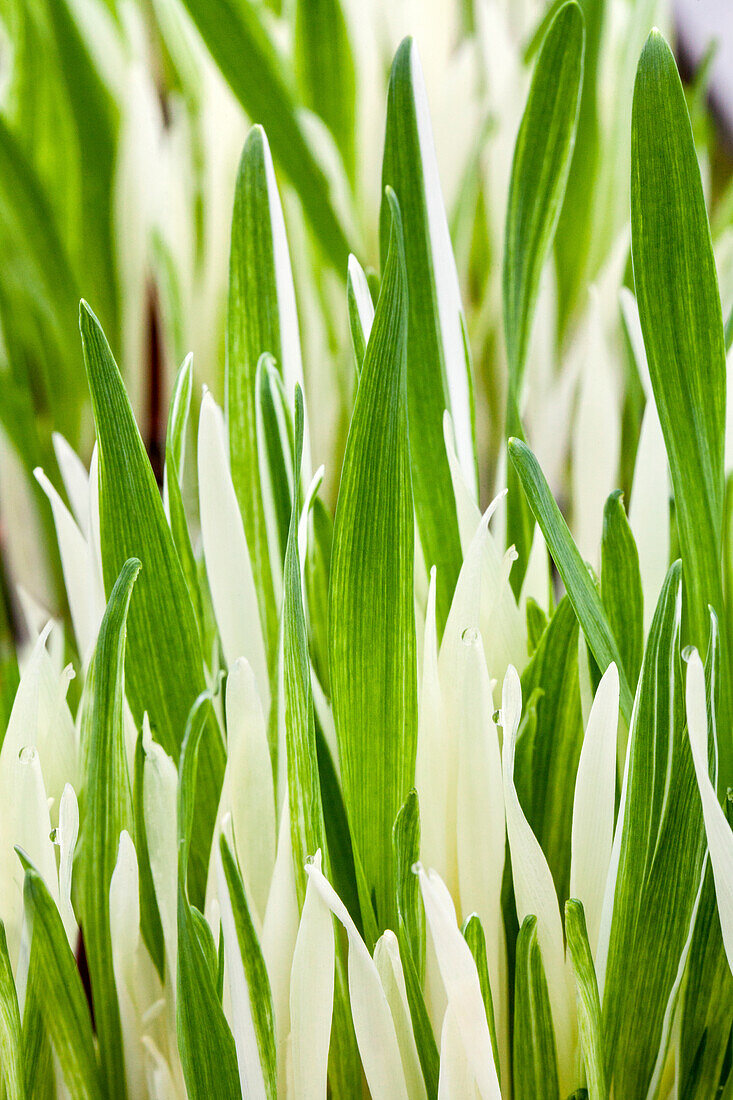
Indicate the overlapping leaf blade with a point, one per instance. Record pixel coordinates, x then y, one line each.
164 663
109 811
438 364
11 1046
233 31
681 319
587 1000
371 612
535 1059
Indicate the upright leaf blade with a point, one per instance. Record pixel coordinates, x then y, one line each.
621 589
60 993
682 322
535 1058
11 1038
261 318
438 366
578 584
371 611
164 663
540 168
587 1000
657 863
109 811
233 32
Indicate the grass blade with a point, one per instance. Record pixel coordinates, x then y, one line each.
109 811
438 366
540 168
587 1000
682 322
60 993
372 619
261 318
621 589
233 31
11 1037
570 565
164 663
535 1058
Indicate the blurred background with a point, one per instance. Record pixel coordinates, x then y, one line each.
121 125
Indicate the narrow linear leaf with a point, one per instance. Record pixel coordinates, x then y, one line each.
150 922
535 1060
261 317
587 1000
571 567
621 589
109 811
205 1042
60 993
361 310
438 365
372 620
542 157
248 979
657 863
11 1036
304 791
164 664
233 31
682 323
406 843
473 932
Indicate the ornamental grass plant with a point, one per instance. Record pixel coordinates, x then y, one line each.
366 690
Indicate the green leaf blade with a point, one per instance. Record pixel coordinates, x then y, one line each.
372 620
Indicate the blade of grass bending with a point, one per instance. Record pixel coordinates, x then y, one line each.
621 589
371 612
535 1059
60 993
682 323
205 1042
232 30
587 1000
11 1036
261 317
540 168
164 663
438 362
108 812
571 567
657 862
252 1009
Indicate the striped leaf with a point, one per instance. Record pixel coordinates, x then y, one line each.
621 589
587 1000
11 1046
371 611
535 1059
108 812
164 663
438 364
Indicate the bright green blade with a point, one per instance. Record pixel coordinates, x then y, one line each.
657 863
555 746
621 589
250 966
304 790
324 65
535 1059
261 317
205 1041
60 993
587 1000
239 44
682 322
571 567
164 663
438 363
474 936
371 610
11 1047
108 812
540 168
